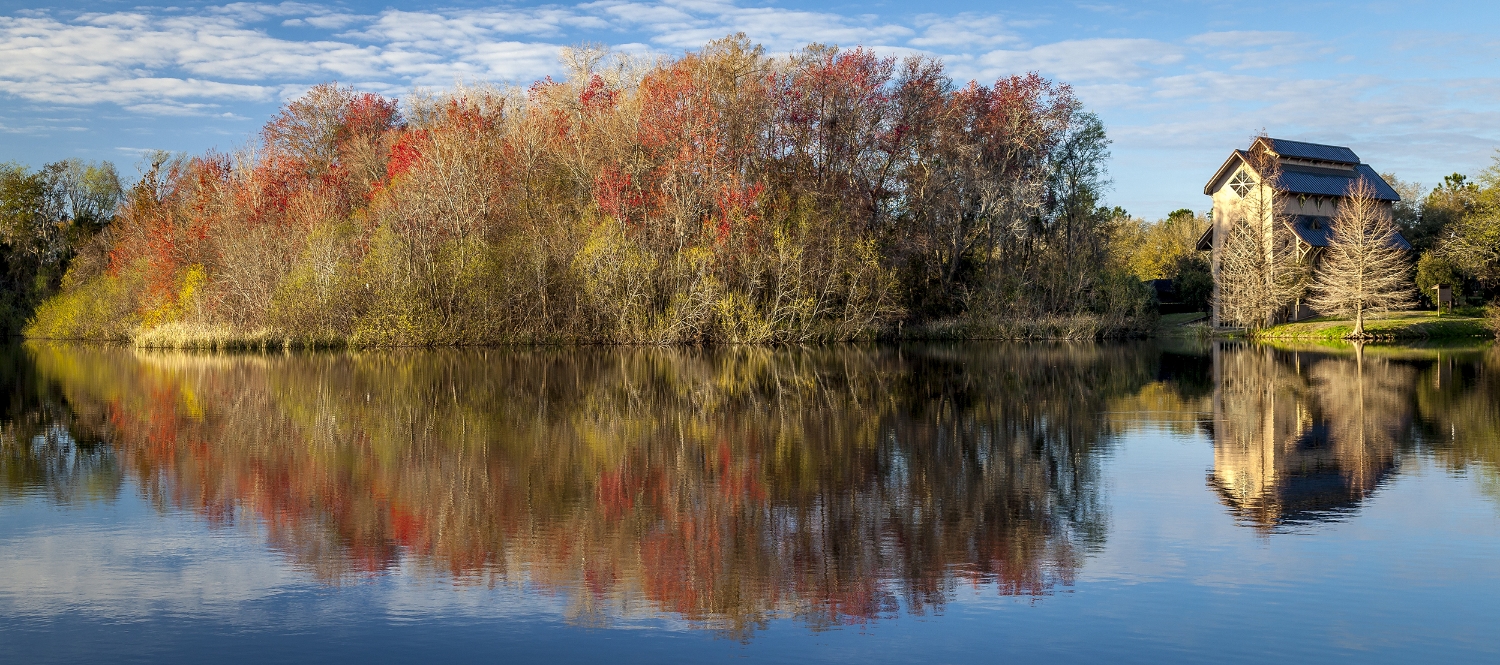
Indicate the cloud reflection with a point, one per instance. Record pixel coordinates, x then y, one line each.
726 487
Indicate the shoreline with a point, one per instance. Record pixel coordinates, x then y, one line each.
1400 328
178 336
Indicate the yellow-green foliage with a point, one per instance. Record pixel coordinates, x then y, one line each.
319 296
100 308
181 302
615 282
1153 250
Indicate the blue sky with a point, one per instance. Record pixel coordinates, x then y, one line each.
1413 87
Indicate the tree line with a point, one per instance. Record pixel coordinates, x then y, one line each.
1455 228
721 196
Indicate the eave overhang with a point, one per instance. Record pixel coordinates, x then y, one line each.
1234 159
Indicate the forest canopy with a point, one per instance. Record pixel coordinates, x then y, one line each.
721 196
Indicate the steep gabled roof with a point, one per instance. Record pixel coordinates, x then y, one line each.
1314 151
1235 159
1311 180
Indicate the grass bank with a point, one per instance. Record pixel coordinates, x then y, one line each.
1386 326
1187 324
199 337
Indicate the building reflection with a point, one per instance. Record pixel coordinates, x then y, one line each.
724 487
1305 435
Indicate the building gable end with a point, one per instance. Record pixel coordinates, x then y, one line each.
1225 172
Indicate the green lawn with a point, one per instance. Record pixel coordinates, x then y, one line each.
1391 325
1190 324
1169 320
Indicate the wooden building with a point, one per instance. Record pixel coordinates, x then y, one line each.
1308 182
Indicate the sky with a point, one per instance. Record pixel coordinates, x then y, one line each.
1413 87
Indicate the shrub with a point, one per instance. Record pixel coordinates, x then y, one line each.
100 309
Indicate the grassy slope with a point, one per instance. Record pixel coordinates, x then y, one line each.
1392 325
1190 324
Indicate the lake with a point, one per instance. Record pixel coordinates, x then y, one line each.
1134 502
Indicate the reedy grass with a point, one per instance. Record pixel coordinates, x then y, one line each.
206 337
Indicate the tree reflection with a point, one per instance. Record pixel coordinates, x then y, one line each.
1305 436
732 486
39 453
1458 397
726 487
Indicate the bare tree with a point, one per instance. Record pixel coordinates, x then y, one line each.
1363 269
1259 274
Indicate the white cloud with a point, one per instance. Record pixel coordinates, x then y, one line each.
691 23
175 62
326 21
1208 89
1086 59
1251 49
965 31
1244 38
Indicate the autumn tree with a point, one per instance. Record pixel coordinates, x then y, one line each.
724 195
1364 268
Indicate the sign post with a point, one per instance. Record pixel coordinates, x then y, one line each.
1444 296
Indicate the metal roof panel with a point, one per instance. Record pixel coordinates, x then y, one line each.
1323 183
1316 151
1313 230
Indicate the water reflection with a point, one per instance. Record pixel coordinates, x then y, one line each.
725 487
39 451
1306 435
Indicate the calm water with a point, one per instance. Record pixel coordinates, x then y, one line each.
970 503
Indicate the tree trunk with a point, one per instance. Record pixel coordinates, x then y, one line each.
1359 322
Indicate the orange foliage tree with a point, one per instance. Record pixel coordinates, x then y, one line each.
720 196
